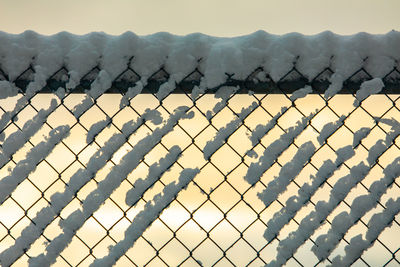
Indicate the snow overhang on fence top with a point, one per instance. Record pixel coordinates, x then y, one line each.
35 62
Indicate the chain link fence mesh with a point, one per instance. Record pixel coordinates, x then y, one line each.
219 220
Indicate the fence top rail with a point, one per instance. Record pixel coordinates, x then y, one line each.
260 62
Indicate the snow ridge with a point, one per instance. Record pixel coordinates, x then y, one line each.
38 153
105 188
146 217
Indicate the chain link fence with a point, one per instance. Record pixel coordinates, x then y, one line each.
219 219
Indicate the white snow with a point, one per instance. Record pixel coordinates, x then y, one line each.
105 188
261 130
21 103
305 192
79 179
29 164
7 89
300 93
368 88
343 154
213 56
60 93
17 139
224 133
81 108
146 217
325 244
272 152
196 91
131 93
100 84
218 59
313 220
155 172
376 151
224 93
288 172
329 129
336 85
166 88
376 225
394 131
96 128
359 135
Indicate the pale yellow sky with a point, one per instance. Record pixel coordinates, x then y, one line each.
213 17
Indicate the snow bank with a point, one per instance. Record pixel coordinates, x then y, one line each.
214 57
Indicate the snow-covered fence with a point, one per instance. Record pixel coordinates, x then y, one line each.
199 151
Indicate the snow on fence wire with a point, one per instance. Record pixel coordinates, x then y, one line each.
160 170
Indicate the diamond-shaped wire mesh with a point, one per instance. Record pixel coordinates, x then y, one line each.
219 219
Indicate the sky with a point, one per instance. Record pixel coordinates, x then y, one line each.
213 17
